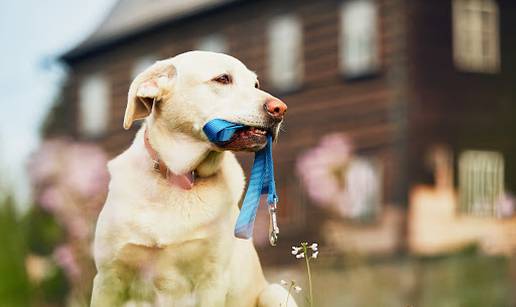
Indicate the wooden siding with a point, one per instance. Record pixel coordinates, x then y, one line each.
461 109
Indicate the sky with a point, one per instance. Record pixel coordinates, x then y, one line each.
32 35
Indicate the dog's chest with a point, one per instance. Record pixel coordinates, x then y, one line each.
178 270
175 216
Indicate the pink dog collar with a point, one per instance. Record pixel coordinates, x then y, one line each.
185 182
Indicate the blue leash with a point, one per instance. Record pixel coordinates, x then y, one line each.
261 181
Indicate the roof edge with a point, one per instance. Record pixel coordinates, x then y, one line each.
82 51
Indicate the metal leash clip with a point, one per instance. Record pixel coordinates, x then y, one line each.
273 223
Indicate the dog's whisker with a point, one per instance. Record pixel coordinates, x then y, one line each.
199 197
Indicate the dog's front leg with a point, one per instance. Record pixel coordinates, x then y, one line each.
275 295
109 289
212 293
213 297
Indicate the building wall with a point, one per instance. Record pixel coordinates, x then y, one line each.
371 110
464 110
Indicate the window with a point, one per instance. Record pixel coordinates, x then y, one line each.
93 105
476 35
363 180
481 182
358 38
141 64
213 42
285 52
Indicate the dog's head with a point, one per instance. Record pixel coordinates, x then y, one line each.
183 93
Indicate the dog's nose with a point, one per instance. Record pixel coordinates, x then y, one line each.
275 108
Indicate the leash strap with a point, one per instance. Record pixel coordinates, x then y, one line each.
261 181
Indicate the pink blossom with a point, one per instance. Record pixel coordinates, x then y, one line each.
79 227
87 172
321 168
337 180
46 163
506 206
50 199
70 181
63 171
65 258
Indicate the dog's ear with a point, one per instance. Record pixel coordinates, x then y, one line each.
148 88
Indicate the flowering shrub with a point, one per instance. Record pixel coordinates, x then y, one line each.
338 181
70 182
321 168
506 206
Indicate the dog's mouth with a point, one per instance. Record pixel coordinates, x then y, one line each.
247 139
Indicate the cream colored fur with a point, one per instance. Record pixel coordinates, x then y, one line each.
160 245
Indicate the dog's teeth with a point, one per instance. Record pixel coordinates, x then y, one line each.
257 130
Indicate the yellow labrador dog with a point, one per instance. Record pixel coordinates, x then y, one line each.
165 235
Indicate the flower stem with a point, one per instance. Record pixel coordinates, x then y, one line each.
307 260
288 295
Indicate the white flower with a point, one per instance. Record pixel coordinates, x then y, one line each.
299 256
314 246
283 282
296 250
314 255
297 289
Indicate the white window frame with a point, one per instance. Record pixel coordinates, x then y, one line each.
364 190
216 42
94 105
481 181
285 52
476 41
359 38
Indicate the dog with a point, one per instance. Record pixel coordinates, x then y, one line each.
165 234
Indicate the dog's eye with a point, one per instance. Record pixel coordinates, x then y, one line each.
223 79
257 84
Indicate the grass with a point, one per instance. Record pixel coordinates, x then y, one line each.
460 280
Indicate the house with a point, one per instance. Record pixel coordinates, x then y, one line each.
397 76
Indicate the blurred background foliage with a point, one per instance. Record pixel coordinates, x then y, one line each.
25 280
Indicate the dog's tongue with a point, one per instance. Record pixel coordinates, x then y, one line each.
245 141
182 181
